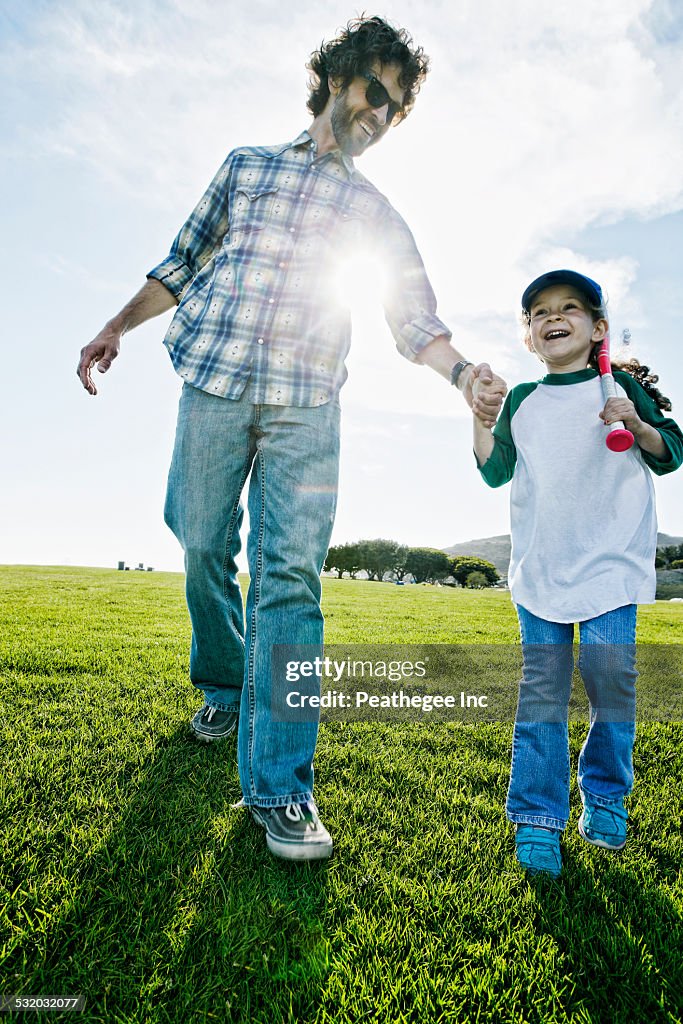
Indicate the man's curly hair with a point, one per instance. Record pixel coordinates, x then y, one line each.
363 42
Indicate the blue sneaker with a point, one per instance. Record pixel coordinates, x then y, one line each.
604 826
538 850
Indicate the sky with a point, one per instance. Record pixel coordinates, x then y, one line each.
545 136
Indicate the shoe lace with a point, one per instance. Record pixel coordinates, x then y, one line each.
302 812
294 812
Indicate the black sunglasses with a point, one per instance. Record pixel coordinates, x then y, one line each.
377 96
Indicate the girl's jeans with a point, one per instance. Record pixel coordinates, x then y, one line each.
539 782
291 457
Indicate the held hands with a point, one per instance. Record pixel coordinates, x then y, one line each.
484 391
102 350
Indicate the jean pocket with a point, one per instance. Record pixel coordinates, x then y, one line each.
252 208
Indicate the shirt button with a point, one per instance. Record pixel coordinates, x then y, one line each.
282 266
259 341
271 301
291 231
302 195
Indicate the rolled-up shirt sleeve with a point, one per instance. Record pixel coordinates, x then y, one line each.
409 300
199 238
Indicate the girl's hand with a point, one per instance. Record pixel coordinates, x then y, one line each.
622 409
647 437
488 392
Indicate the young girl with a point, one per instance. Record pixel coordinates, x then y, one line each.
584 536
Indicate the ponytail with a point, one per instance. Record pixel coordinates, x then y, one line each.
642 374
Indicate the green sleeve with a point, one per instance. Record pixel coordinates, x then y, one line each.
500 465
649 412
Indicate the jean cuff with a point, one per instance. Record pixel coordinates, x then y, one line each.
603 801
538 819
277 801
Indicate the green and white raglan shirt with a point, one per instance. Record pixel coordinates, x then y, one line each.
583 520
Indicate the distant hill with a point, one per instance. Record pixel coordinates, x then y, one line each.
491 549
497 549
664 540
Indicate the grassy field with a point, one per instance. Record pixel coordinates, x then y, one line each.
127 878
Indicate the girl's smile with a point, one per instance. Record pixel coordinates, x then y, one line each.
562 329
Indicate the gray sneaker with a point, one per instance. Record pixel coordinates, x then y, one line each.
294 832
211 724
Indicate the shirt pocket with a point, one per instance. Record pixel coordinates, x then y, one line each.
251 207
333 223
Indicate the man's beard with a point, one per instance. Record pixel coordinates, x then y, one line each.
343 123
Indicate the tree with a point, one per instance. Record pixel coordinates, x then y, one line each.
476 581
677 563
378 557
461 567
666 556
342 558
332 559
427 564
400 561
670 552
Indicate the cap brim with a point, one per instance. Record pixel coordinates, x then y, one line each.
591 289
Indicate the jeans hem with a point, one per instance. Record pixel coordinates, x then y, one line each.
277 801
602 801
537 819
234 708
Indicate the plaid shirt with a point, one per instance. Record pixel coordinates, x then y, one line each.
255 269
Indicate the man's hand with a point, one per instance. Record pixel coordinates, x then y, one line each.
102 350
484 392
152 299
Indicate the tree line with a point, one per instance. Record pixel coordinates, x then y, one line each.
380 558
669 557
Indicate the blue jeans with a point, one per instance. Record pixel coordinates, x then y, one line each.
292 455
539 782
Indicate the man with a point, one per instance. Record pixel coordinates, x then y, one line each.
259 338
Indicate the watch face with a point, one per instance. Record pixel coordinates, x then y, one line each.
456 371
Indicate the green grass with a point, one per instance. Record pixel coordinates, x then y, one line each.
127 877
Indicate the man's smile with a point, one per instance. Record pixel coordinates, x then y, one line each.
369 128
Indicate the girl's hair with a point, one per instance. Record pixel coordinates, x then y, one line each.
633 367
639 372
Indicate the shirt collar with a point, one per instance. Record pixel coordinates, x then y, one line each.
306 139
576 377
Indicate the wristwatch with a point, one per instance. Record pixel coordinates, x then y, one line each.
457 370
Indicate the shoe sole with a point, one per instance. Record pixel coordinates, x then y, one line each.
599 842
208 738
298 851
535 872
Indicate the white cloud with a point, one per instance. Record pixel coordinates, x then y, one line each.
532 127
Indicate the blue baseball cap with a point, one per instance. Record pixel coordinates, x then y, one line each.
591 289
